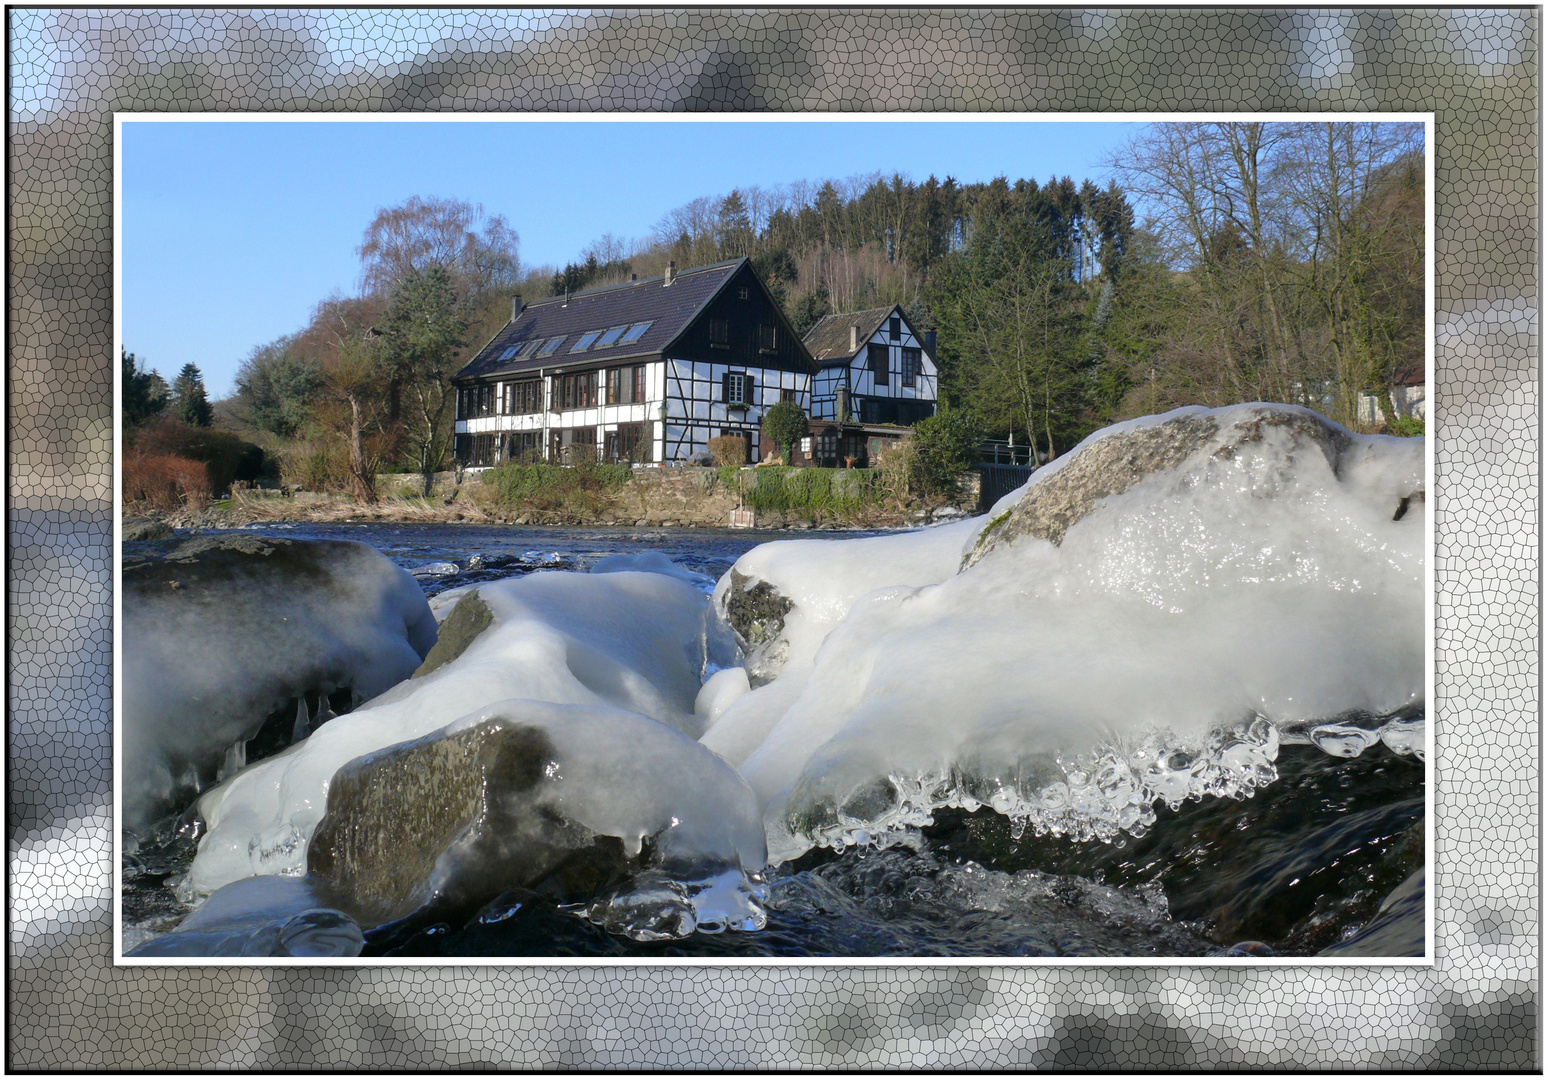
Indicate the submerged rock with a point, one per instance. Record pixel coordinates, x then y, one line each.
570 801
1397 929
221 634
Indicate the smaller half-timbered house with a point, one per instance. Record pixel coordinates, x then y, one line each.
644 371
876 376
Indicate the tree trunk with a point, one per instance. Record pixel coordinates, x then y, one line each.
361 480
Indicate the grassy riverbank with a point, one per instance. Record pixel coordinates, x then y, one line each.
779 498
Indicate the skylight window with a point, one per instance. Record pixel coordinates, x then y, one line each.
611 337
508 353
585 341
636 332
529 347
551 346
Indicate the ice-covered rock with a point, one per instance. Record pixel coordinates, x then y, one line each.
572 800
652 562
782 599
632 641
220 634
1140 631
263 916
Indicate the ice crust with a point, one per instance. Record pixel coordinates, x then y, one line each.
639 642
1074 686
218 634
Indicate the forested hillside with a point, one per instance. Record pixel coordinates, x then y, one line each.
1212 263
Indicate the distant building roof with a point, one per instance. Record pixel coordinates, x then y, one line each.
1411 376
828 340
529 343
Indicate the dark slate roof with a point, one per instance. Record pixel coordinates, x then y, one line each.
1414 375
828 340
668 308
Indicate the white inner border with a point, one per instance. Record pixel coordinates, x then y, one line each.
1427 960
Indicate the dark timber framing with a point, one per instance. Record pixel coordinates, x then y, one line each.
663 325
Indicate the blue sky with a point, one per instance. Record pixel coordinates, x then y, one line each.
233 231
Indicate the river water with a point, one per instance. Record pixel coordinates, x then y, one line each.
1303 866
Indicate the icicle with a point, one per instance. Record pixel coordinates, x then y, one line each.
324 711
236 759
303 726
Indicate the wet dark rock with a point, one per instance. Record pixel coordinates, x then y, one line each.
1301 862
437 827
1397 929
756 610
470 618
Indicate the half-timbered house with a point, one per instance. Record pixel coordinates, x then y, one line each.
876 376
644 371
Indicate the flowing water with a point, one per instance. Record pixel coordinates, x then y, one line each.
1300 867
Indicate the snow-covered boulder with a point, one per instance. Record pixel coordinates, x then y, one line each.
574 800
631 641
1197 587
220 633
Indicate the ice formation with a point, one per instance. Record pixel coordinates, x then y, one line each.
218 634
1146 622
262 916
1146 634
652 562
639 642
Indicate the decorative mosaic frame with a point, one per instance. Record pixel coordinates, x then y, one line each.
1476 1008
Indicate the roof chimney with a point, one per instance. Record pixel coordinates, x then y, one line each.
516 306
634 277
671 272
854 337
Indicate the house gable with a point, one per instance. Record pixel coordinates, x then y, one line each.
741 306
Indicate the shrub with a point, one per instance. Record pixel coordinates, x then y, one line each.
945 446
553 487
1406 426
729 450
781 489
785 425
315 467
225 456
164 481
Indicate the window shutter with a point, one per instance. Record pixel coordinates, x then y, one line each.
725 388
749 388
